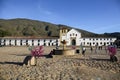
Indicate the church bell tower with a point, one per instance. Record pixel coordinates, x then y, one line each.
63 32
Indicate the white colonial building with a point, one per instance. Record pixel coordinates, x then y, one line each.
20 41
72 37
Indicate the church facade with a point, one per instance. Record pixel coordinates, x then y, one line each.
72 37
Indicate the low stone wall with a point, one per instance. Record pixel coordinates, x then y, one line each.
64 52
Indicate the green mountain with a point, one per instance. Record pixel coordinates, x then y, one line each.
26 27
115 34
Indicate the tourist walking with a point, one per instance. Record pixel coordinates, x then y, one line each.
96 47
105 48
81 48
57 47
91 49
83 51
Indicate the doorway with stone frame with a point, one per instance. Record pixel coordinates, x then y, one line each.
73 41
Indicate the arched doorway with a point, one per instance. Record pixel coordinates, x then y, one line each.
73 42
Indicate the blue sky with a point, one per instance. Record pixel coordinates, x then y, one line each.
98 16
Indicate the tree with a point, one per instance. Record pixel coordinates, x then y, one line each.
28 31
4 33
49 33
46 28
117 42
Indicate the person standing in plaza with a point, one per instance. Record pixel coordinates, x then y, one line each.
91 49
83 51
81 48
96 49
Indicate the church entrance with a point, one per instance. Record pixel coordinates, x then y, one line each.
73 42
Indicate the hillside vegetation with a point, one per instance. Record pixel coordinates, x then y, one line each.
26 27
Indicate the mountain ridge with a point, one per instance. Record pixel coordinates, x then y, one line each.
27 27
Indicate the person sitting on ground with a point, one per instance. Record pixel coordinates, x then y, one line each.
50 54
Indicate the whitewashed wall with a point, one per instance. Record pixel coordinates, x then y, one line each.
53 42
74 34
31 42
99 41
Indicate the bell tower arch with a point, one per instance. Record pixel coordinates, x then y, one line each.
62 33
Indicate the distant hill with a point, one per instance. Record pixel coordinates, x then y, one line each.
115 34
26 27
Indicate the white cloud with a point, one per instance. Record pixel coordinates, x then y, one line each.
48 12
48 15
